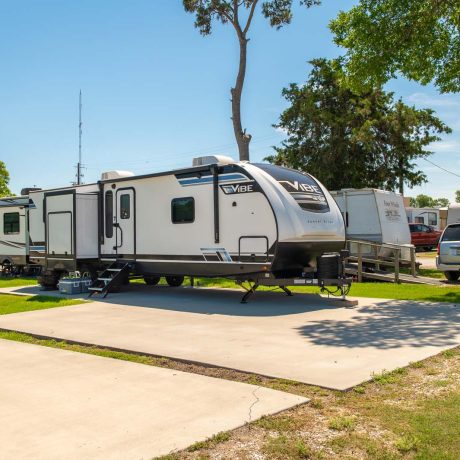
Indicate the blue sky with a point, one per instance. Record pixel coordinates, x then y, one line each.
155 92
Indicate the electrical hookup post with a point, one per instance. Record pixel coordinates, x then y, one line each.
329 276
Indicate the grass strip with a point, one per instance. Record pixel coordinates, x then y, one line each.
10 303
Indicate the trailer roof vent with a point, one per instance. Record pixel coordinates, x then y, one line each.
212 160
111 175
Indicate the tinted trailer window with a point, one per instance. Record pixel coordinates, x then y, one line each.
302 187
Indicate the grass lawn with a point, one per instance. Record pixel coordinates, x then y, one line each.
410 413
19 303
378 290
6 282
426 255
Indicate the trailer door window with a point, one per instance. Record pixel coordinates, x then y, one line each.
183 210
125 205
109 214
432 218
10 223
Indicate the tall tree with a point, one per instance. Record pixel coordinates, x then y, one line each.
240 13
4 180
418 38
426 201
457 196
349 139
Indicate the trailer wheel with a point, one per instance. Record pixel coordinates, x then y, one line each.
152 280
174 281
452 276
49 279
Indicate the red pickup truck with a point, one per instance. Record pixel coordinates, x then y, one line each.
424 236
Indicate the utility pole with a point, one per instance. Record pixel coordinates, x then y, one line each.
79 173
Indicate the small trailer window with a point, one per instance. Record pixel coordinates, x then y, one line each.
432 218
183 210
10 223
125 204
109 214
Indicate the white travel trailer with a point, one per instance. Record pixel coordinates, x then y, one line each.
373 215
220 218
427 216
453 214
14 237
64 229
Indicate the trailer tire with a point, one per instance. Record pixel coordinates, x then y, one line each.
152 280
174 281
452 276
49 279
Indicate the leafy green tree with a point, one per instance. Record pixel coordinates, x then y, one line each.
4 180
457 196
441 202
418 38
426 201
349 139
240 13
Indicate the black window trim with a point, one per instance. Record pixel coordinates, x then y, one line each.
172 210
108 228
128 208
19 223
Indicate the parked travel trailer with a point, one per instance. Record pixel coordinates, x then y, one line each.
426 216
373 215
453 214
219 218
14 237
64 230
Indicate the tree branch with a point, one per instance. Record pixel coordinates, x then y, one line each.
251 14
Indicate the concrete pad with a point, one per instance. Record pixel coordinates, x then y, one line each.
58 404
305 338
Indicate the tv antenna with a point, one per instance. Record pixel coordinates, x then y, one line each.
79 165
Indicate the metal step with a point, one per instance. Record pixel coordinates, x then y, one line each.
98 289
105 279
114 269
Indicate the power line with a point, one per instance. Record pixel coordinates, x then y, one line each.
440 167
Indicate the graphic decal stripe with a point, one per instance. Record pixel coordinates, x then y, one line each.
209 179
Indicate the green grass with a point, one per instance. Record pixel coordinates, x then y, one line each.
6 282
425 293
281 447
342 423
426 255
18 303
430 430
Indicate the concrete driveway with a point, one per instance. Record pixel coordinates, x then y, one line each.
58 404
305 338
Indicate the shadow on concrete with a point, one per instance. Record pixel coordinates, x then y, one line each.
209 301
390 324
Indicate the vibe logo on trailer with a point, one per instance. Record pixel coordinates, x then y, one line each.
231 189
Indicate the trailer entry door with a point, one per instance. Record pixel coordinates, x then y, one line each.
125 222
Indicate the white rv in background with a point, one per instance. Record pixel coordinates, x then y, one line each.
14 237
453 214
64 227
373 215
426 216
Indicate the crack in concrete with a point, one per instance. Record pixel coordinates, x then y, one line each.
257 400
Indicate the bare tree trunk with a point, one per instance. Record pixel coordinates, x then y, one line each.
242 138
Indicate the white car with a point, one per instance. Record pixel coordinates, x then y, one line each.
448 259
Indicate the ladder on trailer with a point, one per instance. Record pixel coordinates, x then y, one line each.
110 279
